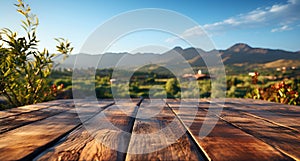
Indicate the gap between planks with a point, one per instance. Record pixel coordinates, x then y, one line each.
84 145
227 142
277 142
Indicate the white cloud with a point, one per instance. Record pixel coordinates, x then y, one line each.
278 8
283 15
282 28
194 31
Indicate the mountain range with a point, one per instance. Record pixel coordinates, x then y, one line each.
237 55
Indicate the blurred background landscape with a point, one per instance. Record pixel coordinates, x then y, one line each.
258 42
248 69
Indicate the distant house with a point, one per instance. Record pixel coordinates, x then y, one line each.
202 76
284 69
252 74
189 76
199 71
113 80
198 76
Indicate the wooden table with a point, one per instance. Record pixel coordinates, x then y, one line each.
245 129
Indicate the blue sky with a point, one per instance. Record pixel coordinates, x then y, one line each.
271 24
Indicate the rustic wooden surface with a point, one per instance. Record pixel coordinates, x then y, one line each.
245 129
27 141
225 142
158 144
82 145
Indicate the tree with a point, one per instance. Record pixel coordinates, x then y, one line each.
172 87
24 70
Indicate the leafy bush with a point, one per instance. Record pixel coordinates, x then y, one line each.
279 92
103 92
24 70
172 87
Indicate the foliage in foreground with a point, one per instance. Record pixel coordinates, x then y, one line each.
280 92
24 70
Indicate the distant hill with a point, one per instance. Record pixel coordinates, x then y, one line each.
282 63
240 53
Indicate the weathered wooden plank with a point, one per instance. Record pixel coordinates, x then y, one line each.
281 114
268 131
265 105
158 135
15 121
4 113
28 141
33 107
226 142
99 141
281 137
39 112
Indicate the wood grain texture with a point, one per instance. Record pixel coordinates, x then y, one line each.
31 108
158 135
226 142
96 140
15 121
27 141
285 115
279 136
246 129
